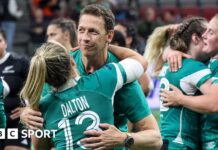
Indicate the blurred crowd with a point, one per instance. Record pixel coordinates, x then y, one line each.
25 21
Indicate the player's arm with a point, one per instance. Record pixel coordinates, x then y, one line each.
146 83
123 53
207 103
131 67
146 137
146 134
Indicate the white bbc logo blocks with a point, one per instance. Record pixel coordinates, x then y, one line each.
2 133
12 133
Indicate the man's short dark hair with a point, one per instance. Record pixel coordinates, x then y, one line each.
100 11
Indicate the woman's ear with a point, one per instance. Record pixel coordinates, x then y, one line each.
195 39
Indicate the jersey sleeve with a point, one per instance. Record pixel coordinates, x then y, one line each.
200 77
113 76
200 74
213 65
2 111
110 78
130 96
133 69
215 78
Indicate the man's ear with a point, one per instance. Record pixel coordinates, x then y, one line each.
110 36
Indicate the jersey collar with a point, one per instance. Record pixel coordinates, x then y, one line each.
2 60
70 83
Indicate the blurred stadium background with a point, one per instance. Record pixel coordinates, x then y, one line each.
135 11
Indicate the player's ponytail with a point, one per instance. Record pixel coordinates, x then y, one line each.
35 81
156 42
155 45
50 64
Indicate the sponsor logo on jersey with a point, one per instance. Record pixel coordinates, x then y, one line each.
8 69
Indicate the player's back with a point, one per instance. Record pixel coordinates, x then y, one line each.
81 104
180 124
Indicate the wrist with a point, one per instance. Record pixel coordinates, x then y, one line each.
122 138
181 100
128 141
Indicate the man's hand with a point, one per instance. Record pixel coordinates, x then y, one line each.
146 137
171 98
16 113
109 138
31 118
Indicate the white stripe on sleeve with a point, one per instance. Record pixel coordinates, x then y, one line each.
133 69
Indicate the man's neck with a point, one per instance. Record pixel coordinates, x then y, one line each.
94 63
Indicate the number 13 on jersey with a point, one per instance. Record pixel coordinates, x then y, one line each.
65 124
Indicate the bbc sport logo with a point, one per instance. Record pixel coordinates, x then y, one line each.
12 133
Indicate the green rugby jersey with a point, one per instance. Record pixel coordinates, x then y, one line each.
2 110
178 124
210 121
81 107
129 102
